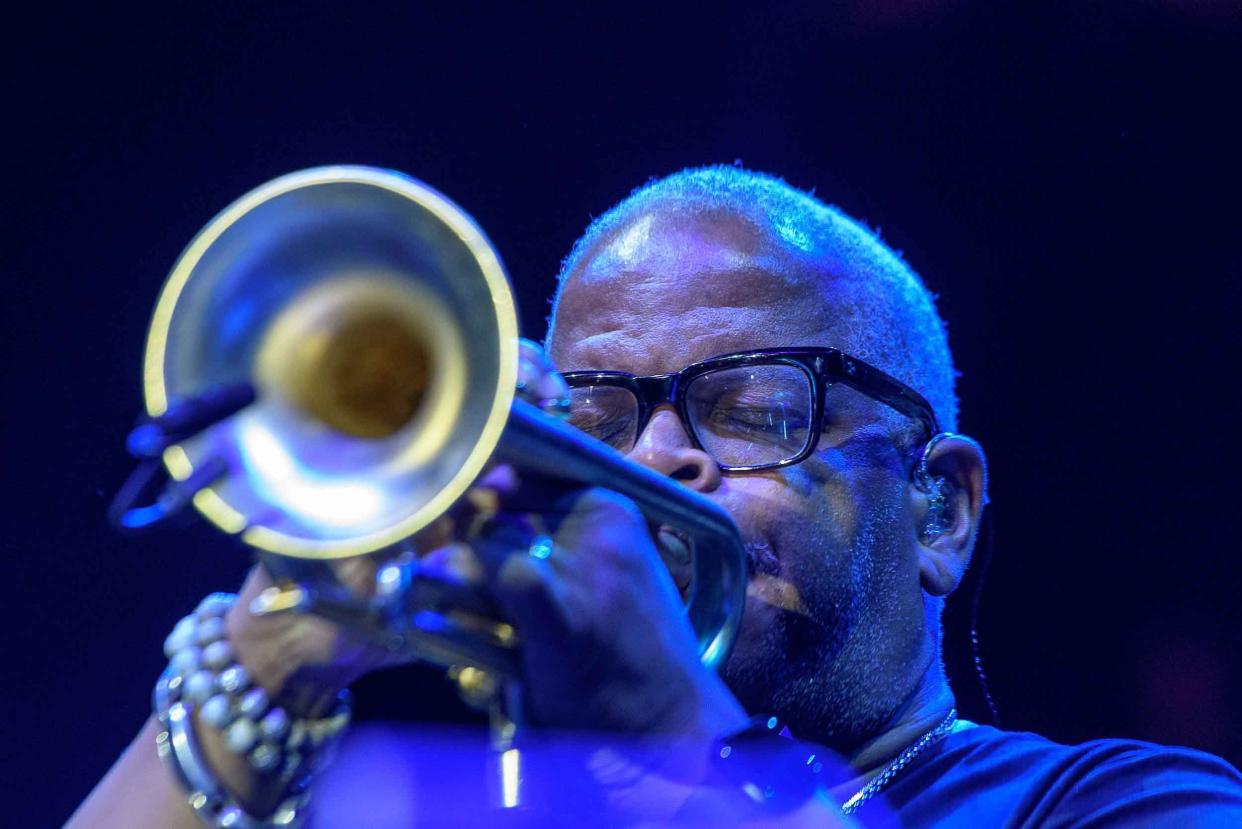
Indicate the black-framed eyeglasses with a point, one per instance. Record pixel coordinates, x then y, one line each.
750 411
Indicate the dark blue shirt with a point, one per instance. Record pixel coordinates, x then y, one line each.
984 777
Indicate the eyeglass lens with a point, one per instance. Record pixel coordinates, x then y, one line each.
607 413
751 415
745 416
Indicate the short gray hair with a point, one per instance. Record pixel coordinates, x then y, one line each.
893 322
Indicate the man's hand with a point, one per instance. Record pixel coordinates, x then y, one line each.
605 643
301 658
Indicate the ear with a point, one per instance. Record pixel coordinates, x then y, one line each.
959 464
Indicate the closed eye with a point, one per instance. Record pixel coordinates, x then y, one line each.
758 423
610 430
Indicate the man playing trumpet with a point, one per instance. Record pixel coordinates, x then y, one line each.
767 351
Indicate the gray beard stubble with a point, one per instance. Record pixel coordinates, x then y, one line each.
819 673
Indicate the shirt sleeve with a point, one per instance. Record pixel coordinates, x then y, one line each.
1153 787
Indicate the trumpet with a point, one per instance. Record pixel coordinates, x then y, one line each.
331 364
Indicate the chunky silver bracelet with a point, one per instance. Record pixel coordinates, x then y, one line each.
202 673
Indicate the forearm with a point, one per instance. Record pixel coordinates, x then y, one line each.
140 790
136 793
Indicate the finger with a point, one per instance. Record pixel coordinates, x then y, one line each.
539 383
438 533
502 551
505 487
464 518
500 479
456 563
356 573
527 592
503 535
257 580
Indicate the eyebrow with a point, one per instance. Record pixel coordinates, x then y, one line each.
592 347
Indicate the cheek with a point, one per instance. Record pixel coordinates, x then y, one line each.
767 506
814 525
793 524
811 502
793 520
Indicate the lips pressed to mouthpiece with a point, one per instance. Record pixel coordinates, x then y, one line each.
674 548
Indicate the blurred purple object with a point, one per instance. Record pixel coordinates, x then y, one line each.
405 776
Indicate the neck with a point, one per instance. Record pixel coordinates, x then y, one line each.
922 711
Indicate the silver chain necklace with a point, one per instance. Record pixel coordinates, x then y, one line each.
899 762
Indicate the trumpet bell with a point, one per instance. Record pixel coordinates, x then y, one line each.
376 324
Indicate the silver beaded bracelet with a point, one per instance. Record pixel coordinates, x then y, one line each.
202 672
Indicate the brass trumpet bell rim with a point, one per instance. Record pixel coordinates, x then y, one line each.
210 501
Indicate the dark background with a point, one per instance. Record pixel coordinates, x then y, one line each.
1065 175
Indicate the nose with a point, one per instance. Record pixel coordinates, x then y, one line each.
666 447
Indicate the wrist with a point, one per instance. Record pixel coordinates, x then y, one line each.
770 768
237 752
708 714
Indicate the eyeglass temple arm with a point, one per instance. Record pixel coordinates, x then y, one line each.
875 383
